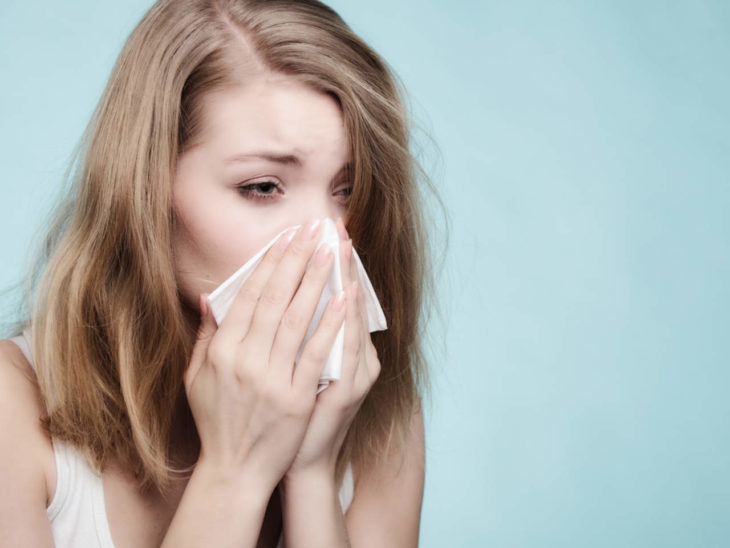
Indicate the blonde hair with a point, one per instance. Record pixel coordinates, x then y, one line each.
109 335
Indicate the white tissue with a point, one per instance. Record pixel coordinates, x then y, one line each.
222 298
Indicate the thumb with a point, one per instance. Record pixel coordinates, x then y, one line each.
206 329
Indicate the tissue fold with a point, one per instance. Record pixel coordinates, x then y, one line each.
222 298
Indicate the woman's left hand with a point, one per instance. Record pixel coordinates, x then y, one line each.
337 405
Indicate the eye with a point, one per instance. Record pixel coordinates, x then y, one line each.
345 192
262 190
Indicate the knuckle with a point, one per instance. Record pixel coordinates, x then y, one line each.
299 248
249 294
315 353
245 376
293 320
314 275
244 365
274 295
271 392
328 320
331 318
218 353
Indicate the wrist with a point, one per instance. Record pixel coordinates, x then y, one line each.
317 477
307 497
234 482
219 506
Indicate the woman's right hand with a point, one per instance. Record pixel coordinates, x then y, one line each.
250 403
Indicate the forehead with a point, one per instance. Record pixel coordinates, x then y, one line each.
274 111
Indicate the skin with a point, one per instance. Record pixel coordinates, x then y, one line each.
264 430
220 223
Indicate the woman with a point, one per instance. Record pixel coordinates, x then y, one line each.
127 415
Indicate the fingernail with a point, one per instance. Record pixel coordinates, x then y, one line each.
339 300
348 249
311 228
322 256
204 305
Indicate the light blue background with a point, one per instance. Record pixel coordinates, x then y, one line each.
581 399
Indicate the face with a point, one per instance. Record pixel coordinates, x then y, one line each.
272 154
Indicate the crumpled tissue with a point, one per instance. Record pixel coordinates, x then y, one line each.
222 298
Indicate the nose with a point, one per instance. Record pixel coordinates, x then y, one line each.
317 205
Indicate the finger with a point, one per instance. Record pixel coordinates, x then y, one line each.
353 338
352 341
206 330
341 230
370 354
371 366
297 319
372 361
238 319
362 308
280 288
309 368
345 253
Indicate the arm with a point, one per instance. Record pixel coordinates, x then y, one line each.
218 509
215 509
26 455
387 503
311 511
385 510
250 404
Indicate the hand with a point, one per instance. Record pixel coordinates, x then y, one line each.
250 404
338 404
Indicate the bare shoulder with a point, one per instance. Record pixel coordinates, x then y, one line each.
26 454
386 507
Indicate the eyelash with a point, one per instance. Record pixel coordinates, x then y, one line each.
249 190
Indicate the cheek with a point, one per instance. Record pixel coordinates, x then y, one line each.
212 238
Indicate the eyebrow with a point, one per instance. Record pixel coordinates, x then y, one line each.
285 159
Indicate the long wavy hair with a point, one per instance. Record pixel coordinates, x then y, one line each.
110 339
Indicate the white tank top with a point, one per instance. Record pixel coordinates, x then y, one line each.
77 512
